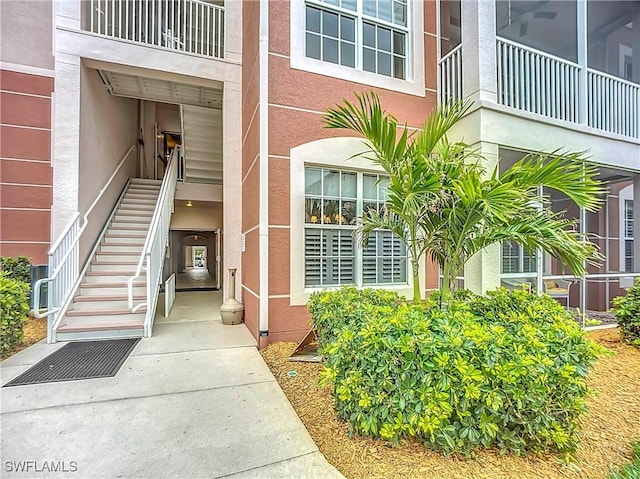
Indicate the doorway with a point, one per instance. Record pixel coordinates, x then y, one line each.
196 260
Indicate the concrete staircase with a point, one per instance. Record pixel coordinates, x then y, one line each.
202 144
99 309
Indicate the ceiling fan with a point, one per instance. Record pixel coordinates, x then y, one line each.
516 15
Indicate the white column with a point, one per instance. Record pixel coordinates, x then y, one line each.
482 271
636 223
479 50
66 142
231 184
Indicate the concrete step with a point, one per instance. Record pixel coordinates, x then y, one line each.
114 288
116 257
129 239
120 248
105 315
140 195
104 302
136 207
138 201
125 225
110 276
145 181
122 266
128 231
76 323
142 218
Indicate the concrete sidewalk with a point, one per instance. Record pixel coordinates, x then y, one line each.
195 400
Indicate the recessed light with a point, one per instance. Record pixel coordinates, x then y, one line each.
189 204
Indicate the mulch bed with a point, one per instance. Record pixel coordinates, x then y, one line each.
34 330
612 423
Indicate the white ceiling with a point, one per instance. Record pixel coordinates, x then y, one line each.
132 86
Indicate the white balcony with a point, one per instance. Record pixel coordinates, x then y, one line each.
590 81
196 27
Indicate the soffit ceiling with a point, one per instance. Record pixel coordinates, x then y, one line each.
132 86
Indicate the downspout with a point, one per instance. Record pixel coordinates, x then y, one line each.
264 173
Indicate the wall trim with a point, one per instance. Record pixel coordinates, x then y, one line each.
29 70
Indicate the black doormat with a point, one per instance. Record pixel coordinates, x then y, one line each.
79 360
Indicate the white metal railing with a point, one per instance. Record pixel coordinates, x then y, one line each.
64 263
153 252
450 75
613 104
191 26
535 81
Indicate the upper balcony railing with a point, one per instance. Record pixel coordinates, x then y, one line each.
540 83
190 26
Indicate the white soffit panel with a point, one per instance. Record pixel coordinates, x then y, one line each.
130 86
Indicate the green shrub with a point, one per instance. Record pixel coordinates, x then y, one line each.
17 268
14 307
630 471
627 309
332 312
513 379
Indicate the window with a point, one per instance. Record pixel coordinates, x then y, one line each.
370 35
628 236
516 259
332 256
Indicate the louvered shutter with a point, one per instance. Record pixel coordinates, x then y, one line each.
313 247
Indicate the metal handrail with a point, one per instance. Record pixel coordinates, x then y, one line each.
71 249
451 52
538 52
167 190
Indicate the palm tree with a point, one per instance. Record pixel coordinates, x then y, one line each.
403 156
443 203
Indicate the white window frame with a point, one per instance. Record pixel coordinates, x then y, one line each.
414 82
626 194
626 222
339 153
359 256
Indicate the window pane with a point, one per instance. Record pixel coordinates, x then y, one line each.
349 4
330 50
349 185
313 181
333 2
331 212
383 186
384 64
313 46
369 60
348 213
384 10
369 35
347 29
369 191
369 7
400 14
384 39
331 183
398 67
348 54
313 211
313 20
330 24
398 43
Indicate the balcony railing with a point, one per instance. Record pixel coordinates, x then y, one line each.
614 104
190 26
540 83
450 75
536 82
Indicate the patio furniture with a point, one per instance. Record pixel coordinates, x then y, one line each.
558 289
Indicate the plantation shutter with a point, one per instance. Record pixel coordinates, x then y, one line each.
312 252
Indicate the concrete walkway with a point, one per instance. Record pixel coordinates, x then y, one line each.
195 400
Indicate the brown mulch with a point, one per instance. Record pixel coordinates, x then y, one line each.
34 330
612 423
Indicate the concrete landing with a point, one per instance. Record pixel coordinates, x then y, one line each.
195 400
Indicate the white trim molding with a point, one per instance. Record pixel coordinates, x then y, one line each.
413 85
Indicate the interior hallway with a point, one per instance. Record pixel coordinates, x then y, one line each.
195 278
191 306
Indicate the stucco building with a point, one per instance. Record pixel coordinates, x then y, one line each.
96 93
